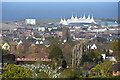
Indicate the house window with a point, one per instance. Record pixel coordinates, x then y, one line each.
28 58
18 58
42 58
35 58
5 46
115 62
115 72
23 58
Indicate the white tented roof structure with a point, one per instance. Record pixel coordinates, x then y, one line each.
75 19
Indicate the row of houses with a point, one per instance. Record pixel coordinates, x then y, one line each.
94 28
90 36
10 45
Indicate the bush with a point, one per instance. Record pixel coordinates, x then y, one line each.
43 75
67 74
36 70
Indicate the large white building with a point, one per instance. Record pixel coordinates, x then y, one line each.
30 21
75 19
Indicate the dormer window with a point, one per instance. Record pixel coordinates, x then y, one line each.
18 57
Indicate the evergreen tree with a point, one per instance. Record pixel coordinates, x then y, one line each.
64 64
56 53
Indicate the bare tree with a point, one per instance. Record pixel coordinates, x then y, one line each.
78 50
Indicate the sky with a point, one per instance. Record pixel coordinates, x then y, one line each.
12 11
60 0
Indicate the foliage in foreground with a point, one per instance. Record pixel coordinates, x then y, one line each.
43 75
13 71
103 69
67 74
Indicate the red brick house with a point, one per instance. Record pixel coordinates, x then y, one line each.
34 57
